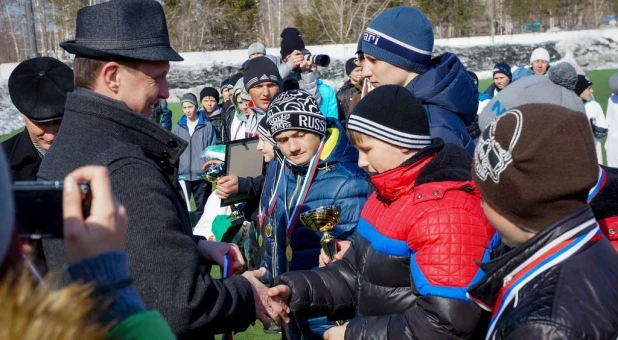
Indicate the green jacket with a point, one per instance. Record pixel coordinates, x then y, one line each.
144 325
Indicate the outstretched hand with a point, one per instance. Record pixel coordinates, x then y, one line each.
280 291
267 308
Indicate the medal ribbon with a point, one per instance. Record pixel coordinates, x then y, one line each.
226 272
273 199
597 187
549 256
313 166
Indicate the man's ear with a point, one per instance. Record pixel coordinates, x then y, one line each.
111 73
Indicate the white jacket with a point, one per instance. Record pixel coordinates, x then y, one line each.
595 113
611 144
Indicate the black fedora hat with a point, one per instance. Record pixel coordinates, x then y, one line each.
126 29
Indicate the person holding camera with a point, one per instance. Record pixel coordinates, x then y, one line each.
295 64
98 270
107 122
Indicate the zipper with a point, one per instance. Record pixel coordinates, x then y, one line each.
274 259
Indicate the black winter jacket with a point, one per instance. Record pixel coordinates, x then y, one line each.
142 159
22 156
573 299
380 283
344 97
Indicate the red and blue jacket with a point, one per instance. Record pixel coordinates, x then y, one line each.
413 257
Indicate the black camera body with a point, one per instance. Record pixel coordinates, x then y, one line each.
38 208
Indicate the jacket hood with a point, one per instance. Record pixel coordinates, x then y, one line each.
447 85
337 148
216 112
200 118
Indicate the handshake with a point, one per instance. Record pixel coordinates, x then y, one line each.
272 304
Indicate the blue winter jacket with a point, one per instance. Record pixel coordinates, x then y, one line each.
190 165
450 98
329 107
340 181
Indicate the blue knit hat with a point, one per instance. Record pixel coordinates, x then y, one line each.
503 68
401 36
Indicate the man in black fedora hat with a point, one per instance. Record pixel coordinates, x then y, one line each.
38 88
122 54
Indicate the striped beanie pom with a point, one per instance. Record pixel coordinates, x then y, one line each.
392 114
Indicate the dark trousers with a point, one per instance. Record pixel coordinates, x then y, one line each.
200 190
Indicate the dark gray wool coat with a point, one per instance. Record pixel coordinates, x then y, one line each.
142 159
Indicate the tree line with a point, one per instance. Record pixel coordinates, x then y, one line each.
202 25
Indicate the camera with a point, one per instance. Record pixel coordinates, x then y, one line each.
38 208
322 60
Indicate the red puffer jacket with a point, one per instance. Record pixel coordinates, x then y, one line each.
413 257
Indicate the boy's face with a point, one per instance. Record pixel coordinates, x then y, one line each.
266 149
298 146
244 107
189 110
540 67
209 104
376 156
501 80
587 94
262 94
227 94
382 73
510 234
356 75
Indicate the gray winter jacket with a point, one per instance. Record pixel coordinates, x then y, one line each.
190 168
142 159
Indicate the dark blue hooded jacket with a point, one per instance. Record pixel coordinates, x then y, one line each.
450 98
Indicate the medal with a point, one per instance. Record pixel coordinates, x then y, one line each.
269 230
260 240
292 216
289 253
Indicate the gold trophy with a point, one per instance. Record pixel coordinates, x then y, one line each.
323 219
212 174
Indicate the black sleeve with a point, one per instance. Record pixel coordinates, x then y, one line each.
431 318
539 330
164 261
251 185
327 291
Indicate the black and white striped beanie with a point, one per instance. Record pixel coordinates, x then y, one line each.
392 114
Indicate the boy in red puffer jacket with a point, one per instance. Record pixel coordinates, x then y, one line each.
420 233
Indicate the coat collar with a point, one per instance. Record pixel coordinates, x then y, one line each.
118 120
393 184
486 291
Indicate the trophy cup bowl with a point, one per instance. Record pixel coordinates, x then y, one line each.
213 173
323 219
